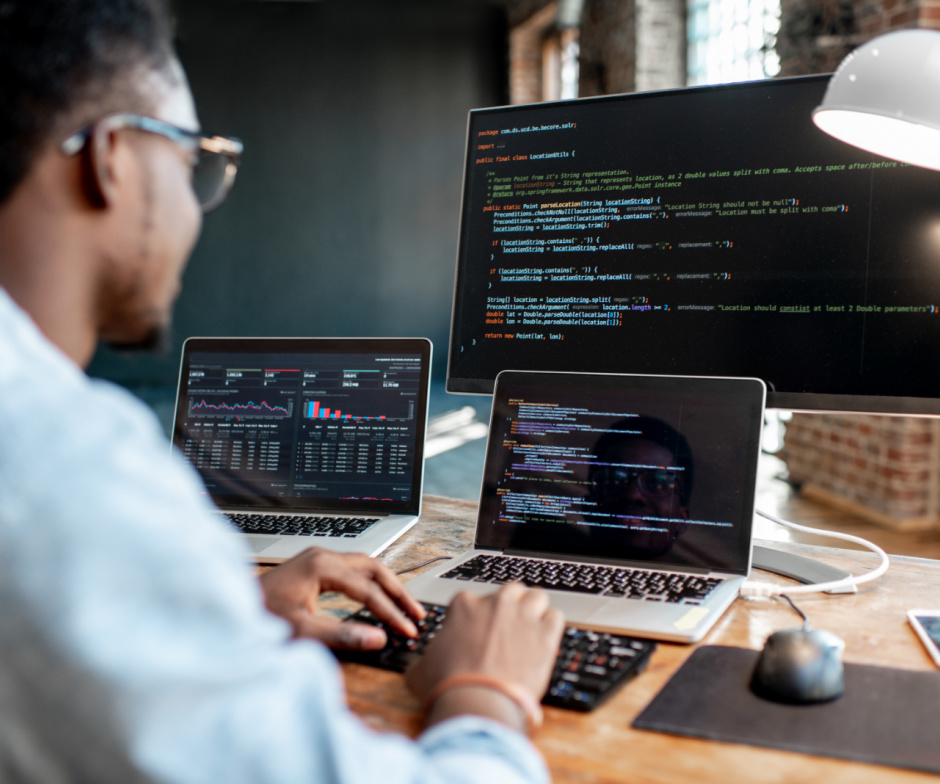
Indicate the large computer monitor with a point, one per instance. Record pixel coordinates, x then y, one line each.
704 231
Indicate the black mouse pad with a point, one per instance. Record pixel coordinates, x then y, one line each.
887 716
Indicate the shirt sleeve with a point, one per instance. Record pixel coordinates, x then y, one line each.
134 643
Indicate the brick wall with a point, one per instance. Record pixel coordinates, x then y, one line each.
816 34
526 42
886 468
632 45
626 45
660 62
929 14
629 45
608 47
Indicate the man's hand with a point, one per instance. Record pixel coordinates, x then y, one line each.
512 635
291 591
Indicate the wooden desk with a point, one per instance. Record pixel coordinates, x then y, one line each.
601 747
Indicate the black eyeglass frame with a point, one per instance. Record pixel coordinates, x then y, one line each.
642 476
231 148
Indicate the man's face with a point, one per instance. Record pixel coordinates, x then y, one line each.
159 225
638 498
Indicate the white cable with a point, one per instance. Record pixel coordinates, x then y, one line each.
752 588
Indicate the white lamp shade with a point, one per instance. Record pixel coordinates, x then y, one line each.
885 98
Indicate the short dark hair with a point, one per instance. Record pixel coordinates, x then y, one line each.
59 58
658 432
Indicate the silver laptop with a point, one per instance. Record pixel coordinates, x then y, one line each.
307 441
629 498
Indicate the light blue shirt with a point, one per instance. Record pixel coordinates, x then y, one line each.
134 644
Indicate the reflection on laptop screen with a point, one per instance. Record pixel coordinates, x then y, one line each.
325 429
623 468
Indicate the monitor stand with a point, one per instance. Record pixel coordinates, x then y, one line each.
797 567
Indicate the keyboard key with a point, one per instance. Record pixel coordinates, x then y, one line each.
589 668
612 581
300 525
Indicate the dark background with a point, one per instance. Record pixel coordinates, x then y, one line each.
343 220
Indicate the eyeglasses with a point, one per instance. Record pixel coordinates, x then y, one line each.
653 482
215 158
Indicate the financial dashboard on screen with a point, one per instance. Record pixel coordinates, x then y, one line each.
338 423
705 231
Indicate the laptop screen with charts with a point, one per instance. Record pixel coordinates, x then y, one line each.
629 498
307 441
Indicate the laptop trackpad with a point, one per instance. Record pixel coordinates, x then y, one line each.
572 605
634 614
259 543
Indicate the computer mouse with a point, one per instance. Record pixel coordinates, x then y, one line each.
800 666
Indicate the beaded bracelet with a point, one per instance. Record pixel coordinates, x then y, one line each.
526 702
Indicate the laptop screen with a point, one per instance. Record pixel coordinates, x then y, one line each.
307 423
638 469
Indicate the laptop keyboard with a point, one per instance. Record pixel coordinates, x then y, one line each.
300 525
589 668
613 581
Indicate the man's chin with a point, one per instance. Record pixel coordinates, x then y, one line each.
154 341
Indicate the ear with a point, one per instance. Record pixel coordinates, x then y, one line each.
101 170
680 528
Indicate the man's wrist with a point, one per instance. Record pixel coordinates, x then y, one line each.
486 686
478 701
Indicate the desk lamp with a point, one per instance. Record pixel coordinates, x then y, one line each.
885 98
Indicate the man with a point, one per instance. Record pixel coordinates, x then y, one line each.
126 653
641 478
